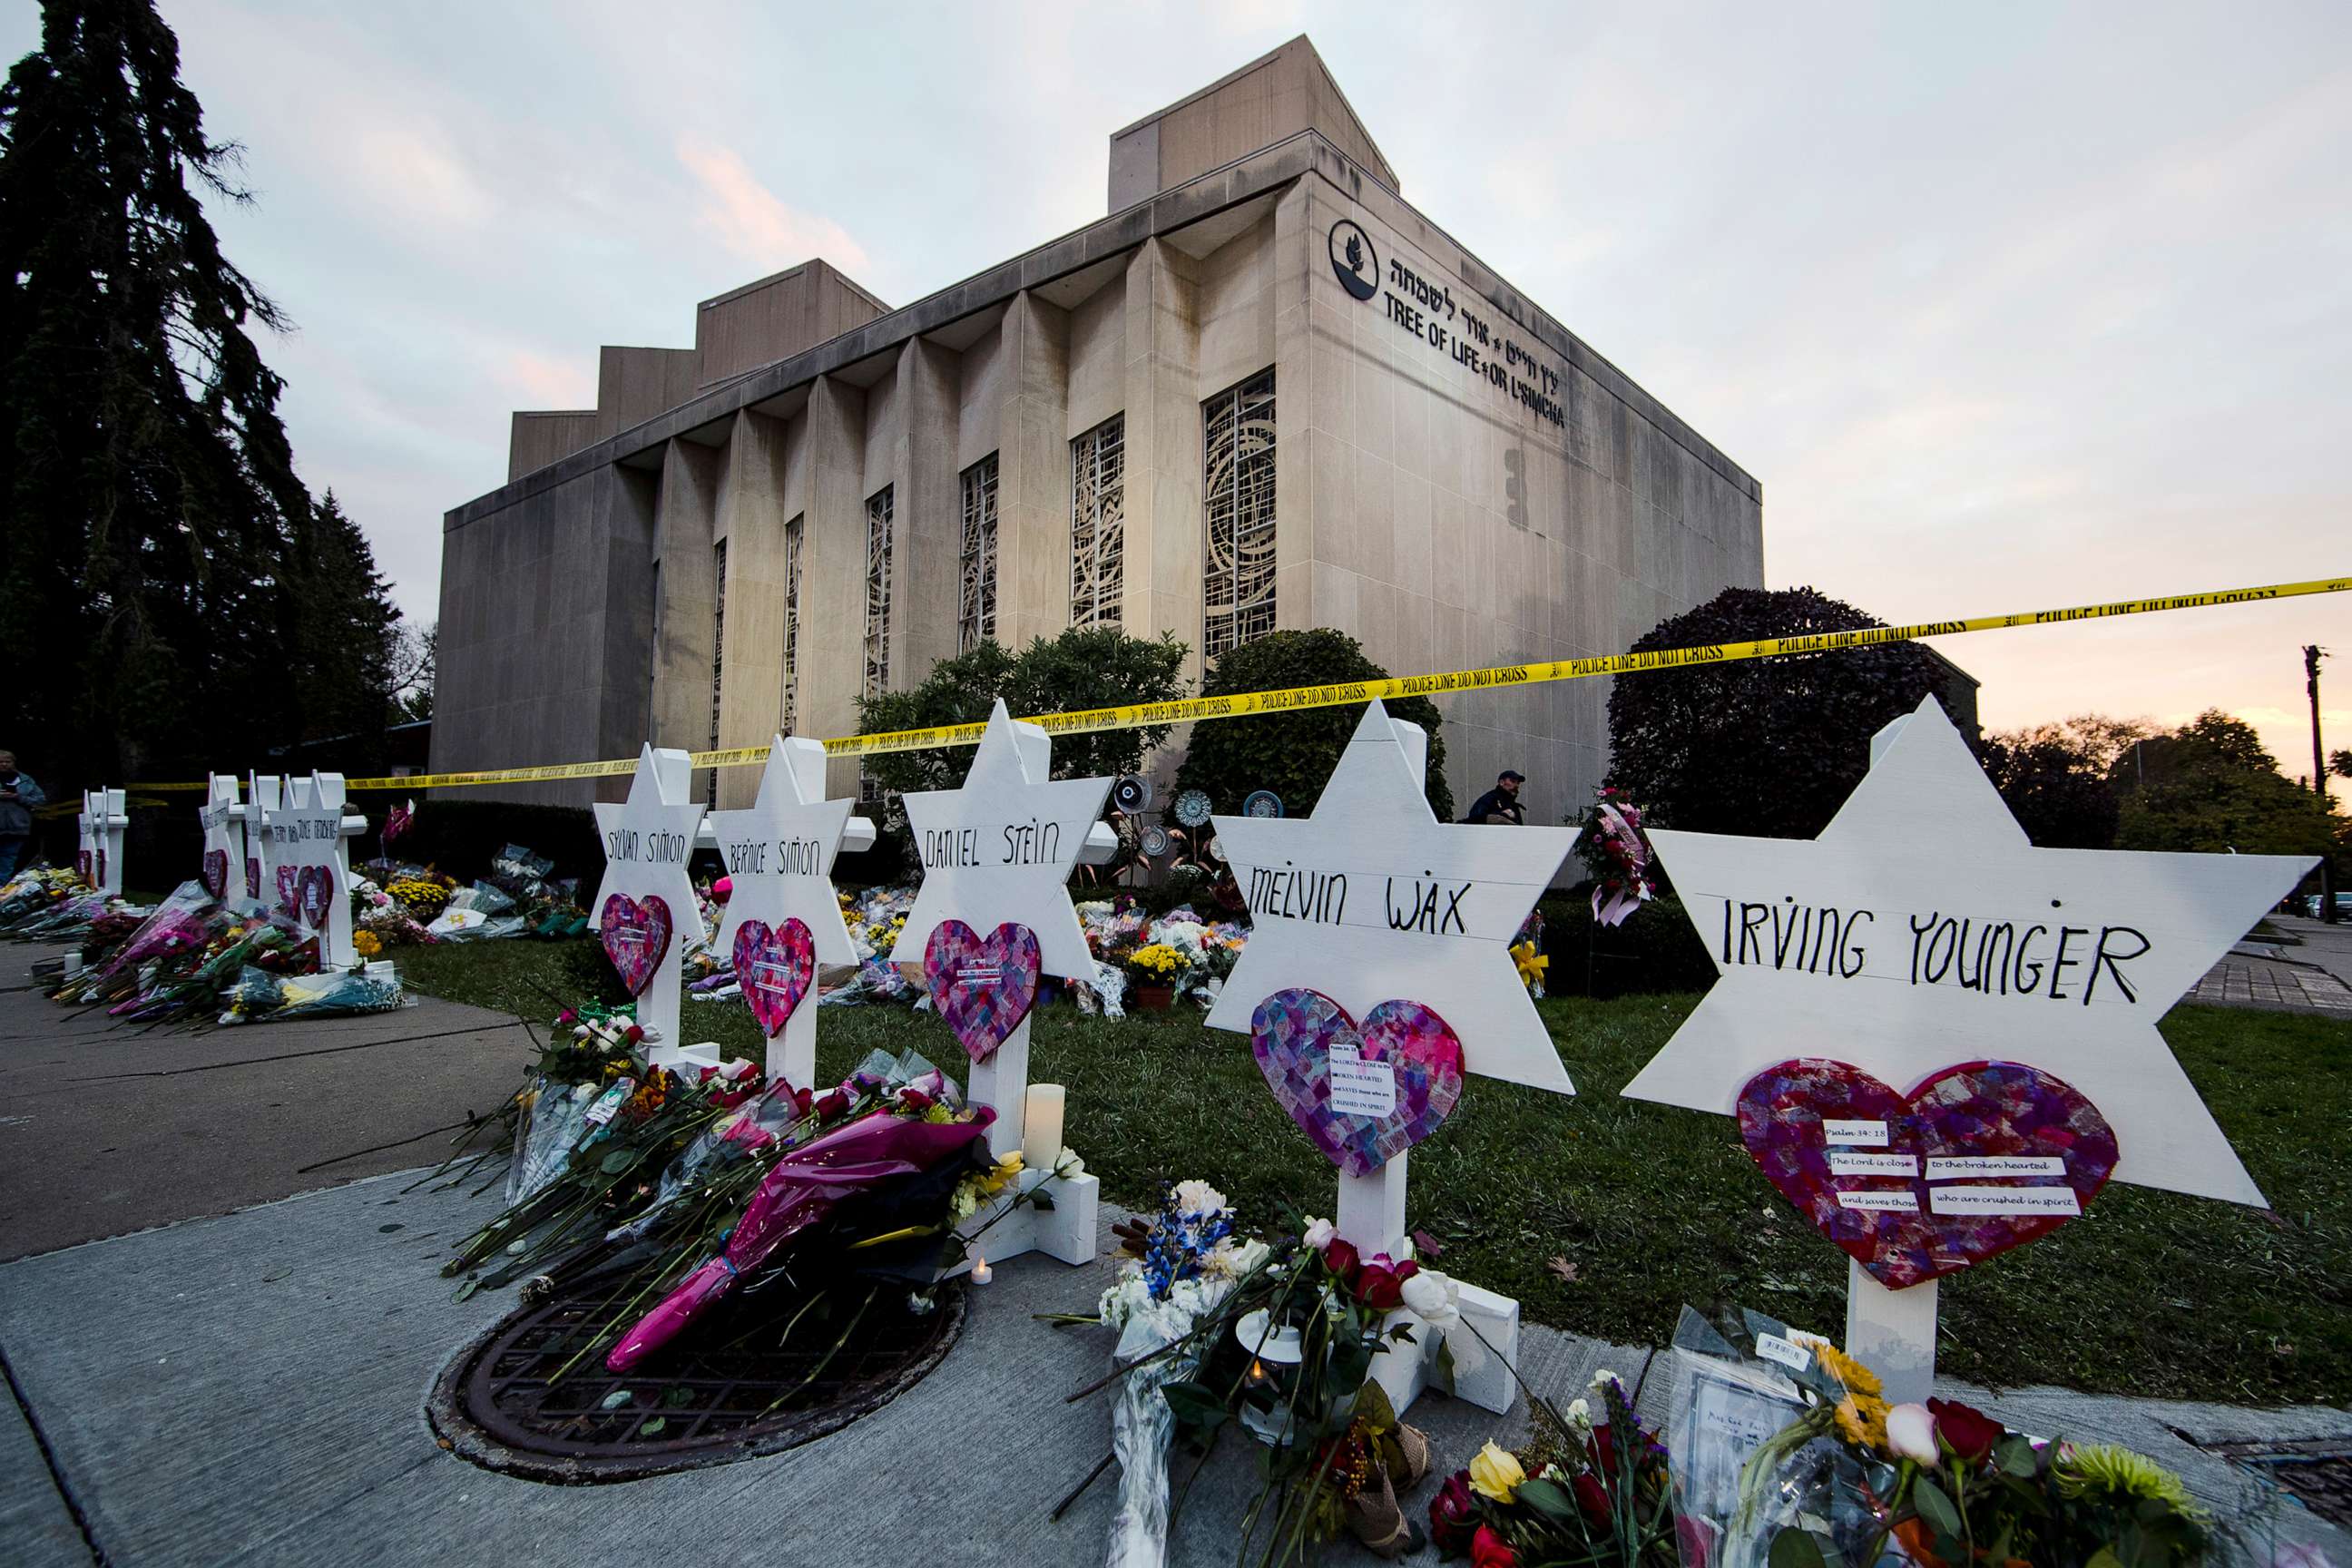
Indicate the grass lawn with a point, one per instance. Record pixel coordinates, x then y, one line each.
2149 1293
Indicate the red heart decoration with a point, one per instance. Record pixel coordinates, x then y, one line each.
983 986
636 934
215 873
1979 1158
317 891
775 967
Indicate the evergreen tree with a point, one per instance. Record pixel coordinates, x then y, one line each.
345 634
154 537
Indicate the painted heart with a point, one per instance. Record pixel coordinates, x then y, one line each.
289 895
1364 1093
1979 1158
636 934
982 985
215 873
252 877
82 865
775 967
317 892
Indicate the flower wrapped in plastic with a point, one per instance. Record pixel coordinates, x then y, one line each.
801 1189
262 997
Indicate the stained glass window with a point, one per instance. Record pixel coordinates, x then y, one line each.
878 591
976 598
1237 487
791 620
1099 523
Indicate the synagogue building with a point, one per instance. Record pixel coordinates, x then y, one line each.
1266 392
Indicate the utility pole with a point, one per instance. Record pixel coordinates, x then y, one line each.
2311 653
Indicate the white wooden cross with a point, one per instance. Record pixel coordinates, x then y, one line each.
2073 957
102 822
308 829
999 850
648 840
780 856
223 824
1371 899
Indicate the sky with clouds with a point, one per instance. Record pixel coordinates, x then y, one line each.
2008 306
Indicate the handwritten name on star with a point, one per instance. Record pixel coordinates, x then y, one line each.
1430 905
1036 842
1995 955
782 856
630 847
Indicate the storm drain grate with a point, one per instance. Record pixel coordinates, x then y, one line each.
2317 1471
742 1387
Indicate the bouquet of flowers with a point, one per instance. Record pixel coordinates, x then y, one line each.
1156 963
1940 1485
1617 852
260 997
1588 1488
1276 1337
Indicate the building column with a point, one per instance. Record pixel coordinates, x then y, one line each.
927 554
833 572
686 530
752 519
1164 527
1032 479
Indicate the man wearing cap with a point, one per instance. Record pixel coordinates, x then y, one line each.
1501 804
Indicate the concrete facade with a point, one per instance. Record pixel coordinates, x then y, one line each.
1447 473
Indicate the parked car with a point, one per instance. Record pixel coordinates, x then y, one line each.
2343 906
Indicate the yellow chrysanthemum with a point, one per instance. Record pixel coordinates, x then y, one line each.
1531 963
2119 1472
1857 1378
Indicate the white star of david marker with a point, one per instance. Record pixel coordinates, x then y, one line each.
1922 929
999 849
648 840
779 852
1373 899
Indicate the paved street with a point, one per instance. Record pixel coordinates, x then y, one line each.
249 1387
2312 973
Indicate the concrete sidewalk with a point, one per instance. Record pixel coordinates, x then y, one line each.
109 1129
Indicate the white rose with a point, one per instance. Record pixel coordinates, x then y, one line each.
1433 1299
1235 1259
1580 1414
1197 1197
1319 1233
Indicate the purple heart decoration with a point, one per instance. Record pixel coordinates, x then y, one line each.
290 893
252 877
215 873
775 967
1396 1077
1979 1158
982 985
636 934
82 865
317 891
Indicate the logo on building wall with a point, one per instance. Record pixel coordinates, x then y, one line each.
1353 259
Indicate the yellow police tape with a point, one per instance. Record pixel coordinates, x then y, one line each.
1242 704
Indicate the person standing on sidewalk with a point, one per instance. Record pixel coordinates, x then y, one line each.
18 795
1501 804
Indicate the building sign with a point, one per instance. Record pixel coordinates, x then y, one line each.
1429 311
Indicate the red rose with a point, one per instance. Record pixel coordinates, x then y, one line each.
832 1105
632 1034
1591 1496
1339 1257
1380 1285
1489 1549
914 1100
1971 1433
1453 1514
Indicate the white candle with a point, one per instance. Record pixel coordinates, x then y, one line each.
1041 1126
981 1272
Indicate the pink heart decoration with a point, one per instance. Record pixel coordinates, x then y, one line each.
290 893
775 967
215 873
982 985
2043 1137
82 866
636 934
252 877
1293 1034
317 891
